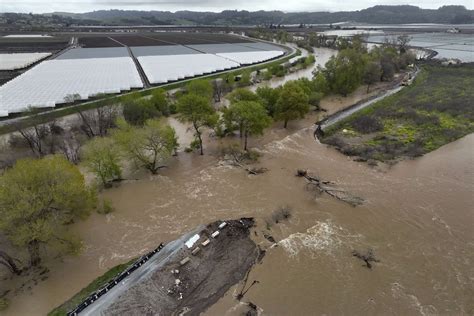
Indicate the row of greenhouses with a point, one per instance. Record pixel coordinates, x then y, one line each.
15 61
70 78
54 82
166 68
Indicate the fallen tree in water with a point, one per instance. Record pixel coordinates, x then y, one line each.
367 257
238 158
323 186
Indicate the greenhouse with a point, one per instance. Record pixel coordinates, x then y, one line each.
165 68
247 58
20 60
54 82
81 73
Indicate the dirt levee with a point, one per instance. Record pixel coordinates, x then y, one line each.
197 284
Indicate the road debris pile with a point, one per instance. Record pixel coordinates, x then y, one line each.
196 276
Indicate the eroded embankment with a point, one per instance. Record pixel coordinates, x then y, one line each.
197 284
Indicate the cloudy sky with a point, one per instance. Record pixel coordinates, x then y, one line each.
42 6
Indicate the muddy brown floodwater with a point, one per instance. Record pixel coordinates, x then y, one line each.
417 216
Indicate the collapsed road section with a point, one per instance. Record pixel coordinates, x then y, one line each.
187 275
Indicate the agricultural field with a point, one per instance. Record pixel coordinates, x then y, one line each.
248 58
98 41
33 44
459 46
435 110
166 68
162 69
55 82
87 68
157 39
20 60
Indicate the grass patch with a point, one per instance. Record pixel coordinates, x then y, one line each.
92 287
435 110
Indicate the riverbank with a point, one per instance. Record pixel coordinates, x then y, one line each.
435 110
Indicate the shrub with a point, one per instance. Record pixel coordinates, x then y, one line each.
160 102
106 207
335 141
366 124
251 155
278 70
137 112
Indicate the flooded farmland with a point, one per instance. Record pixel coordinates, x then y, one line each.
459 46
417 216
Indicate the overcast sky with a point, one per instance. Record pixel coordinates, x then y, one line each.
42 6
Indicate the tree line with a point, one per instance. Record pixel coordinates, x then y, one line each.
40 197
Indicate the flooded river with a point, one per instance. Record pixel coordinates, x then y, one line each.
417 216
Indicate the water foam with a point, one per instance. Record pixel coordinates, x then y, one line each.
322 237
399 292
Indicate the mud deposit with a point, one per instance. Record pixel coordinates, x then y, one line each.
175 288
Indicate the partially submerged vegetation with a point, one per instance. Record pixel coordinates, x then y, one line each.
435 110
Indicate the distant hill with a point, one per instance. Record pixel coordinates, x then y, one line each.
377 14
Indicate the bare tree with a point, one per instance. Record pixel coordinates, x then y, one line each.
71 98
70 147
218 88
97 122
367 257
35 137
55 132
403 42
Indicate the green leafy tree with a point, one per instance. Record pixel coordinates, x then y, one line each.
148 146
372 73
292 103
201 88
309 60
102 157
160 101
242 94
137 112
197 110
278 70
238 95
252 117
38 197
269 97
320 83
245 78
345 71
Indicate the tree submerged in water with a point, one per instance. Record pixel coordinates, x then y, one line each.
38 198
367 257
324 186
